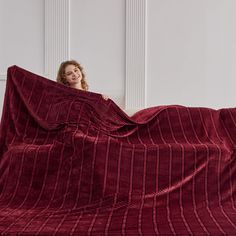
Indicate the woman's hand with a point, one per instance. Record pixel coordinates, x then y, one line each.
105 97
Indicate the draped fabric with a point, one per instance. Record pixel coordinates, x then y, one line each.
72 163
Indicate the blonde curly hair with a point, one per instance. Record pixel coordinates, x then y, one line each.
61 73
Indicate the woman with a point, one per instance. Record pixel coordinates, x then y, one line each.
71 74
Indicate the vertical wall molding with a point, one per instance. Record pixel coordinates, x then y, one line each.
57 35
136 19
3 77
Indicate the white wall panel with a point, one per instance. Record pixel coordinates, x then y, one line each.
57 35
21 37
191 52
135 54
98 43
22 34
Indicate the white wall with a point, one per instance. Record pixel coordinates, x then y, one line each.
190 53
21 37
191 46
22 34
98 42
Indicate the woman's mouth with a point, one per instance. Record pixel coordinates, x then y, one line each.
74 78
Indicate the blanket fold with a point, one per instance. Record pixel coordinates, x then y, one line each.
72 163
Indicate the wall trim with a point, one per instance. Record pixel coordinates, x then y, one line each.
3 77
57 35
136 50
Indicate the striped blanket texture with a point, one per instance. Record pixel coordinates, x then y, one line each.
72 163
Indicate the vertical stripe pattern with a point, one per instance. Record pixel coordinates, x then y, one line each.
73 163
136 53
57 35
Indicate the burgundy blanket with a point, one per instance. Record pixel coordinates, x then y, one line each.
72 163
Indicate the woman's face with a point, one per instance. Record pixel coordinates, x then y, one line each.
73 75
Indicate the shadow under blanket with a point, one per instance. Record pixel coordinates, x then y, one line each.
72 163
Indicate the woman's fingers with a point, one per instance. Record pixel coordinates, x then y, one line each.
105 97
